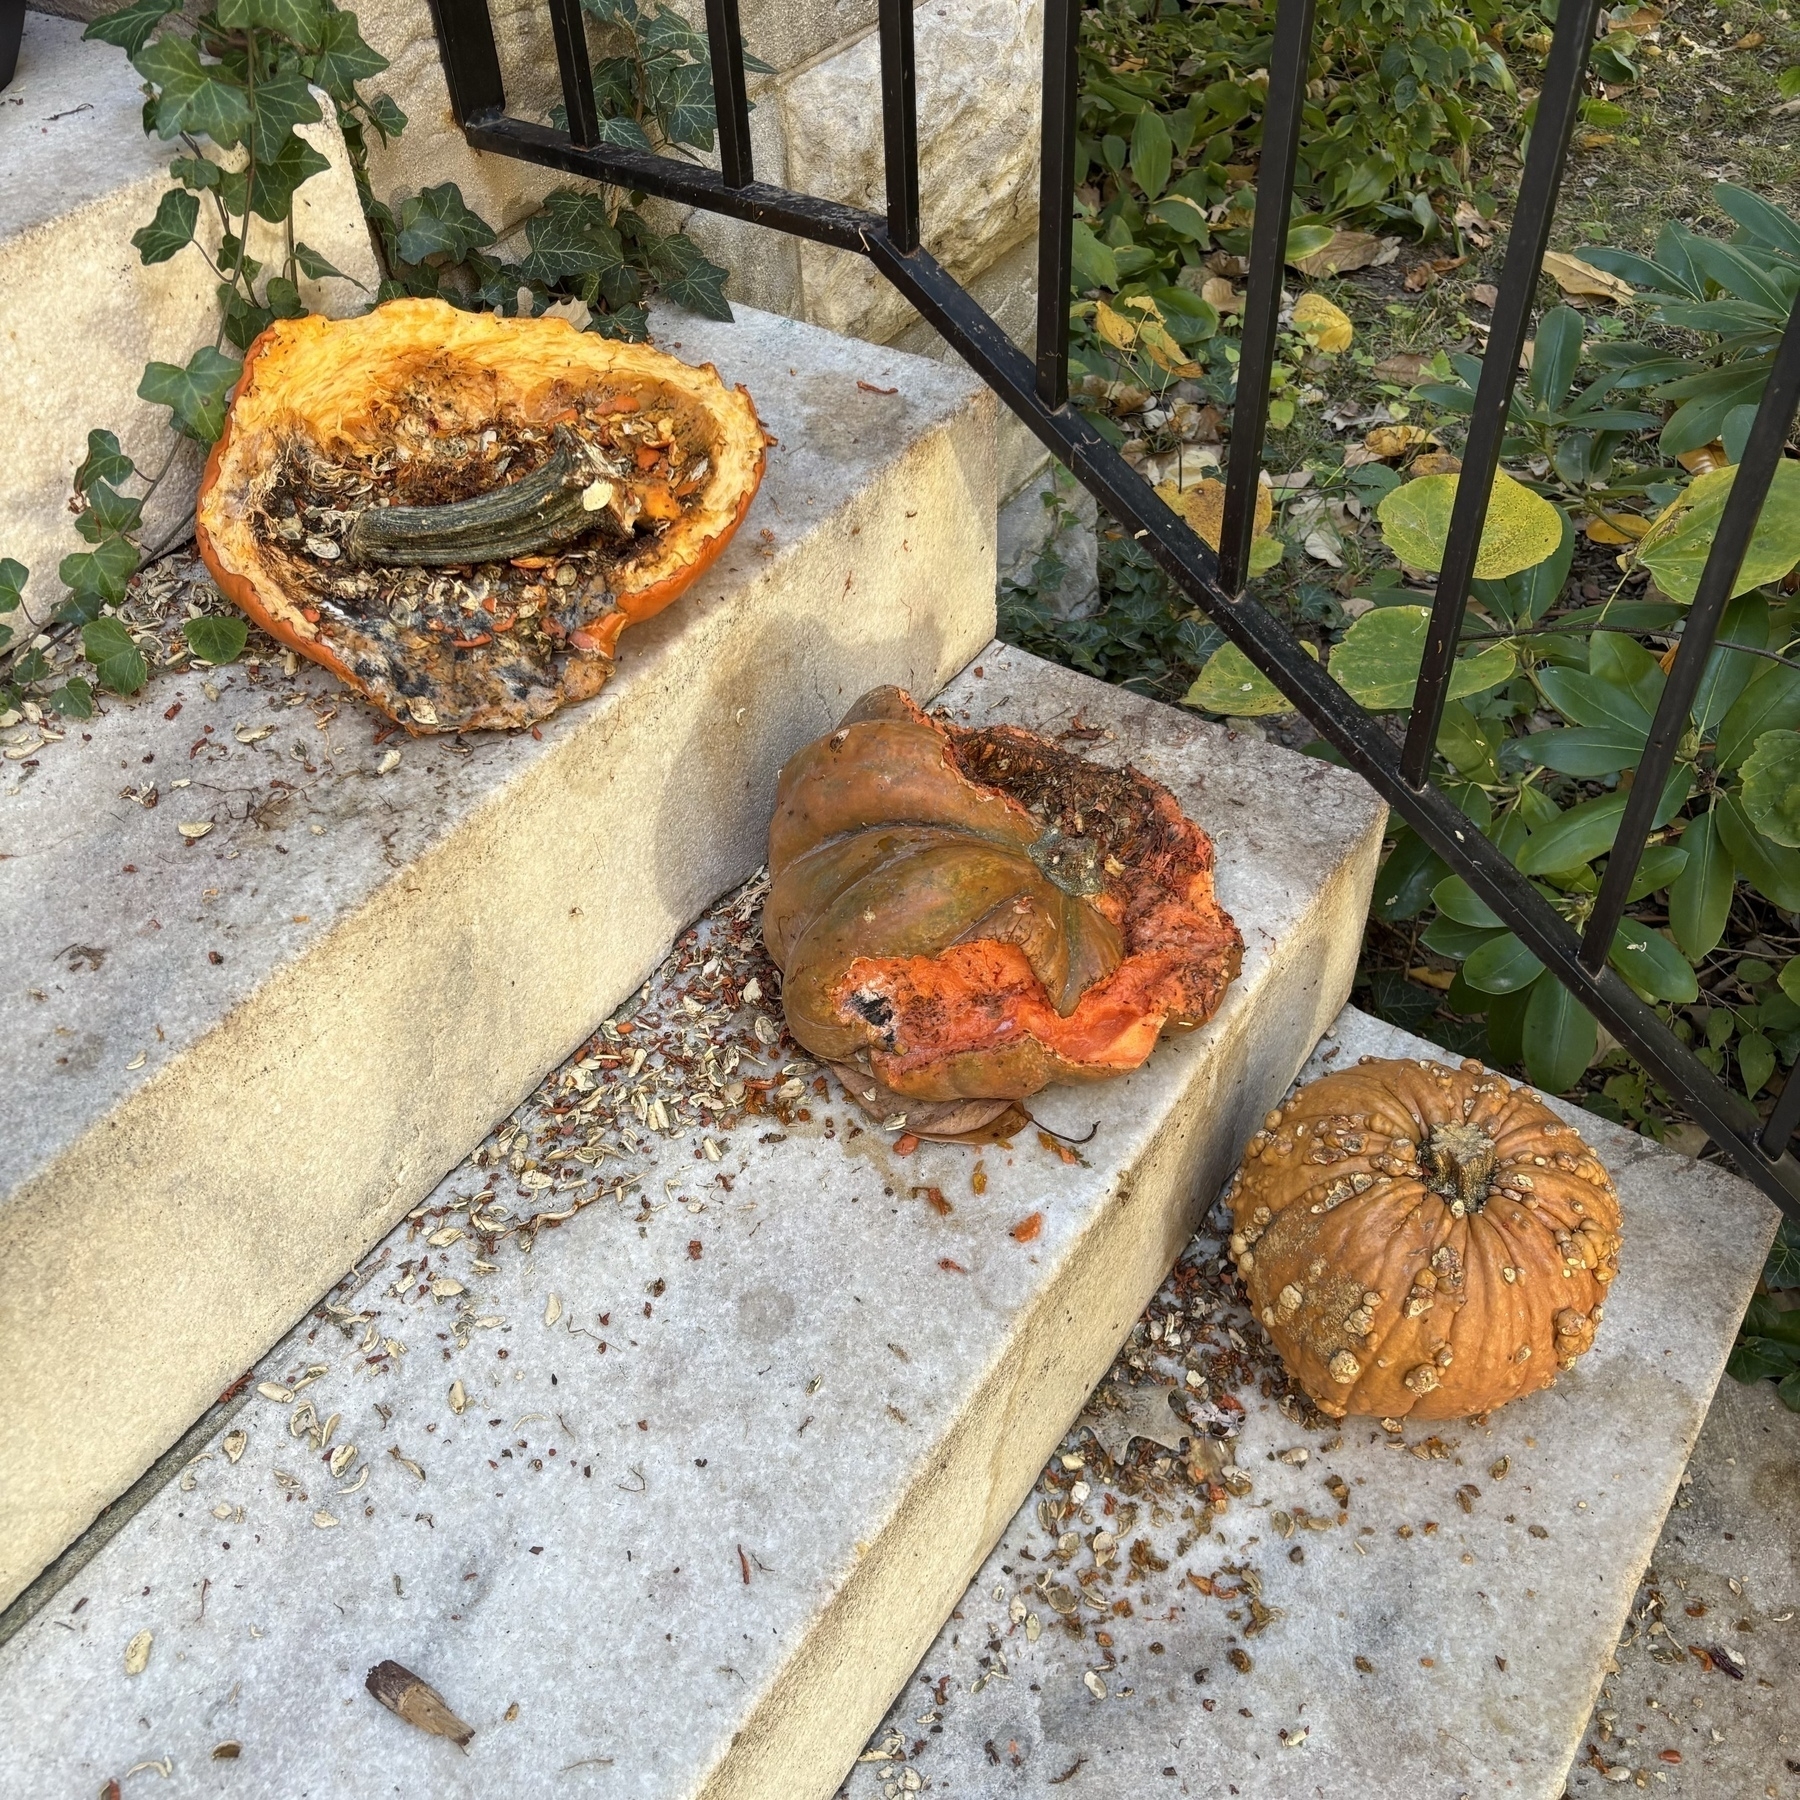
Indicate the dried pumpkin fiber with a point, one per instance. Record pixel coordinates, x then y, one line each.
978 913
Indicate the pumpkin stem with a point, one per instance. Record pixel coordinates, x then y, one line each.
1461 1160
1071 863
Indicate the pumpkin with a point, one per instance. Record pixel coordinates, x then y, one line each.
1424 1240
458 513
972 914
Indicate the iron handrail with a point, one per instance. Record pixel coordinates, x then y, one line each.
1036 389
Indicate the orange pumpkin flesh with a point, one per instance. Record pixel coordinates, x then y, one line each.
1423 1240
417 402
972 915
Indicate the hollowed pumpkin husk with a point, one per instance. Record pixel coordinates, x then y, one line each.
973 915
1421 1240
419 405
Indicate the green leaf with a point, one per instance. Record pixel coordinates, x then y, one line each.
196 395
1448 938
683 274
1586 750
130 26
1555 356
1788 82
284 298
200 173
1407 878
200 99
1577 837
73 700
104 461
436 222
1526 595
216 640
1306 240
13 576
274 179
1728 672
300 21
1378 660
108 511
117 660
1501 966
1506 1024
1782 1270
1559 1036
1094 263
1769 868
1675 548
385 115
1700 896
102 571
1771 786
1623 662
1177 213
1457 900
1756 1062
1789 1390
280 103
1652 964
314 267
172 230
681 101
344 59
1233 685
1151 153
1593 703
1522 528
1657 867
1770 703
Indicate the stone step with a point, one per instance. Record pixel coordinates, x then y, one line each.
667 1500
1422 1644
80 311
232 1063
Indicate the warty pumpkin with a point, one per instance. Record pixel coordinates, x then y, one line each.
1424 1240
458 513
970 915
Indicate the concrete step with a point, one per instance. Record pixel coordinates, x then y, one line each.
668 1499
232 1062
80 313
1444 1632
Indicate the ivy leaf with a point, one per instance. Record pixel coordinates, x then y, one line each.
101 572
1756 1062
104 461
116 659
666 33
13 576
197 172
624 131
172 230
1771 786
108 511
385 115
1559 1036
684 275
571 236
196 395
130 26
273 180
1522 528
299 21
1379 657
681 101
73 700
216 640
435 222
1700 896
315 268
344 59
199 99
1676 546
613 12
281 103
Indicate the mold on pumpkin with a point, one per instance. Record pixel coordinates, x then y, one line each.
1423 1241
969 915
458 513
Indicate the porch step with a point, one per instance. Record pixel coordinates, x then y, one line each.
668 1500
1427 1645
231 1064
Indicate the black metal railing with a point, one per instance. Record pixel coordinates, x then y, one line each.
1037 390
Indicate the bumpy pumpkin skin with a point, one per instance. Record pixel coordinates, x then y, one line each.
1423 1240
933 932
334 384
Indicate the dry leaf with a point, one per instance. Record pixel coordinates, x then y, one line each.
1704 460
1576 277
1396 440
1405 368
1419 277
1432 978
234 1444
1472 225
137 1653
459 1397
402 1692
1203 506
1484 293
194 829
1436 462
1348 251
1328 326
1218 293
553 1309
229 1751
1615 528
1143 1413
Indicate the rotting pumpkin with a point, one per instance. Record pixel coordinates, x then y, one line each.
458 513
1423 1240
962 917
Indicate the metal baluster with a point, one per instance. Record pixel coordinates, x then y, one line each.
577 73
465 36
725 41
1262 298
1558 106
1782 1120
1056 200
900 124
1762 451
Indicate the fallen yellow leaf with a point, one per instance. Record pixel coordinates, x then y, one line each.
1576 277
1615 528
1702 461
1219 294
1203 506
1432 978
1436 462
1396 440
1114 327
1347 251
1328 326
